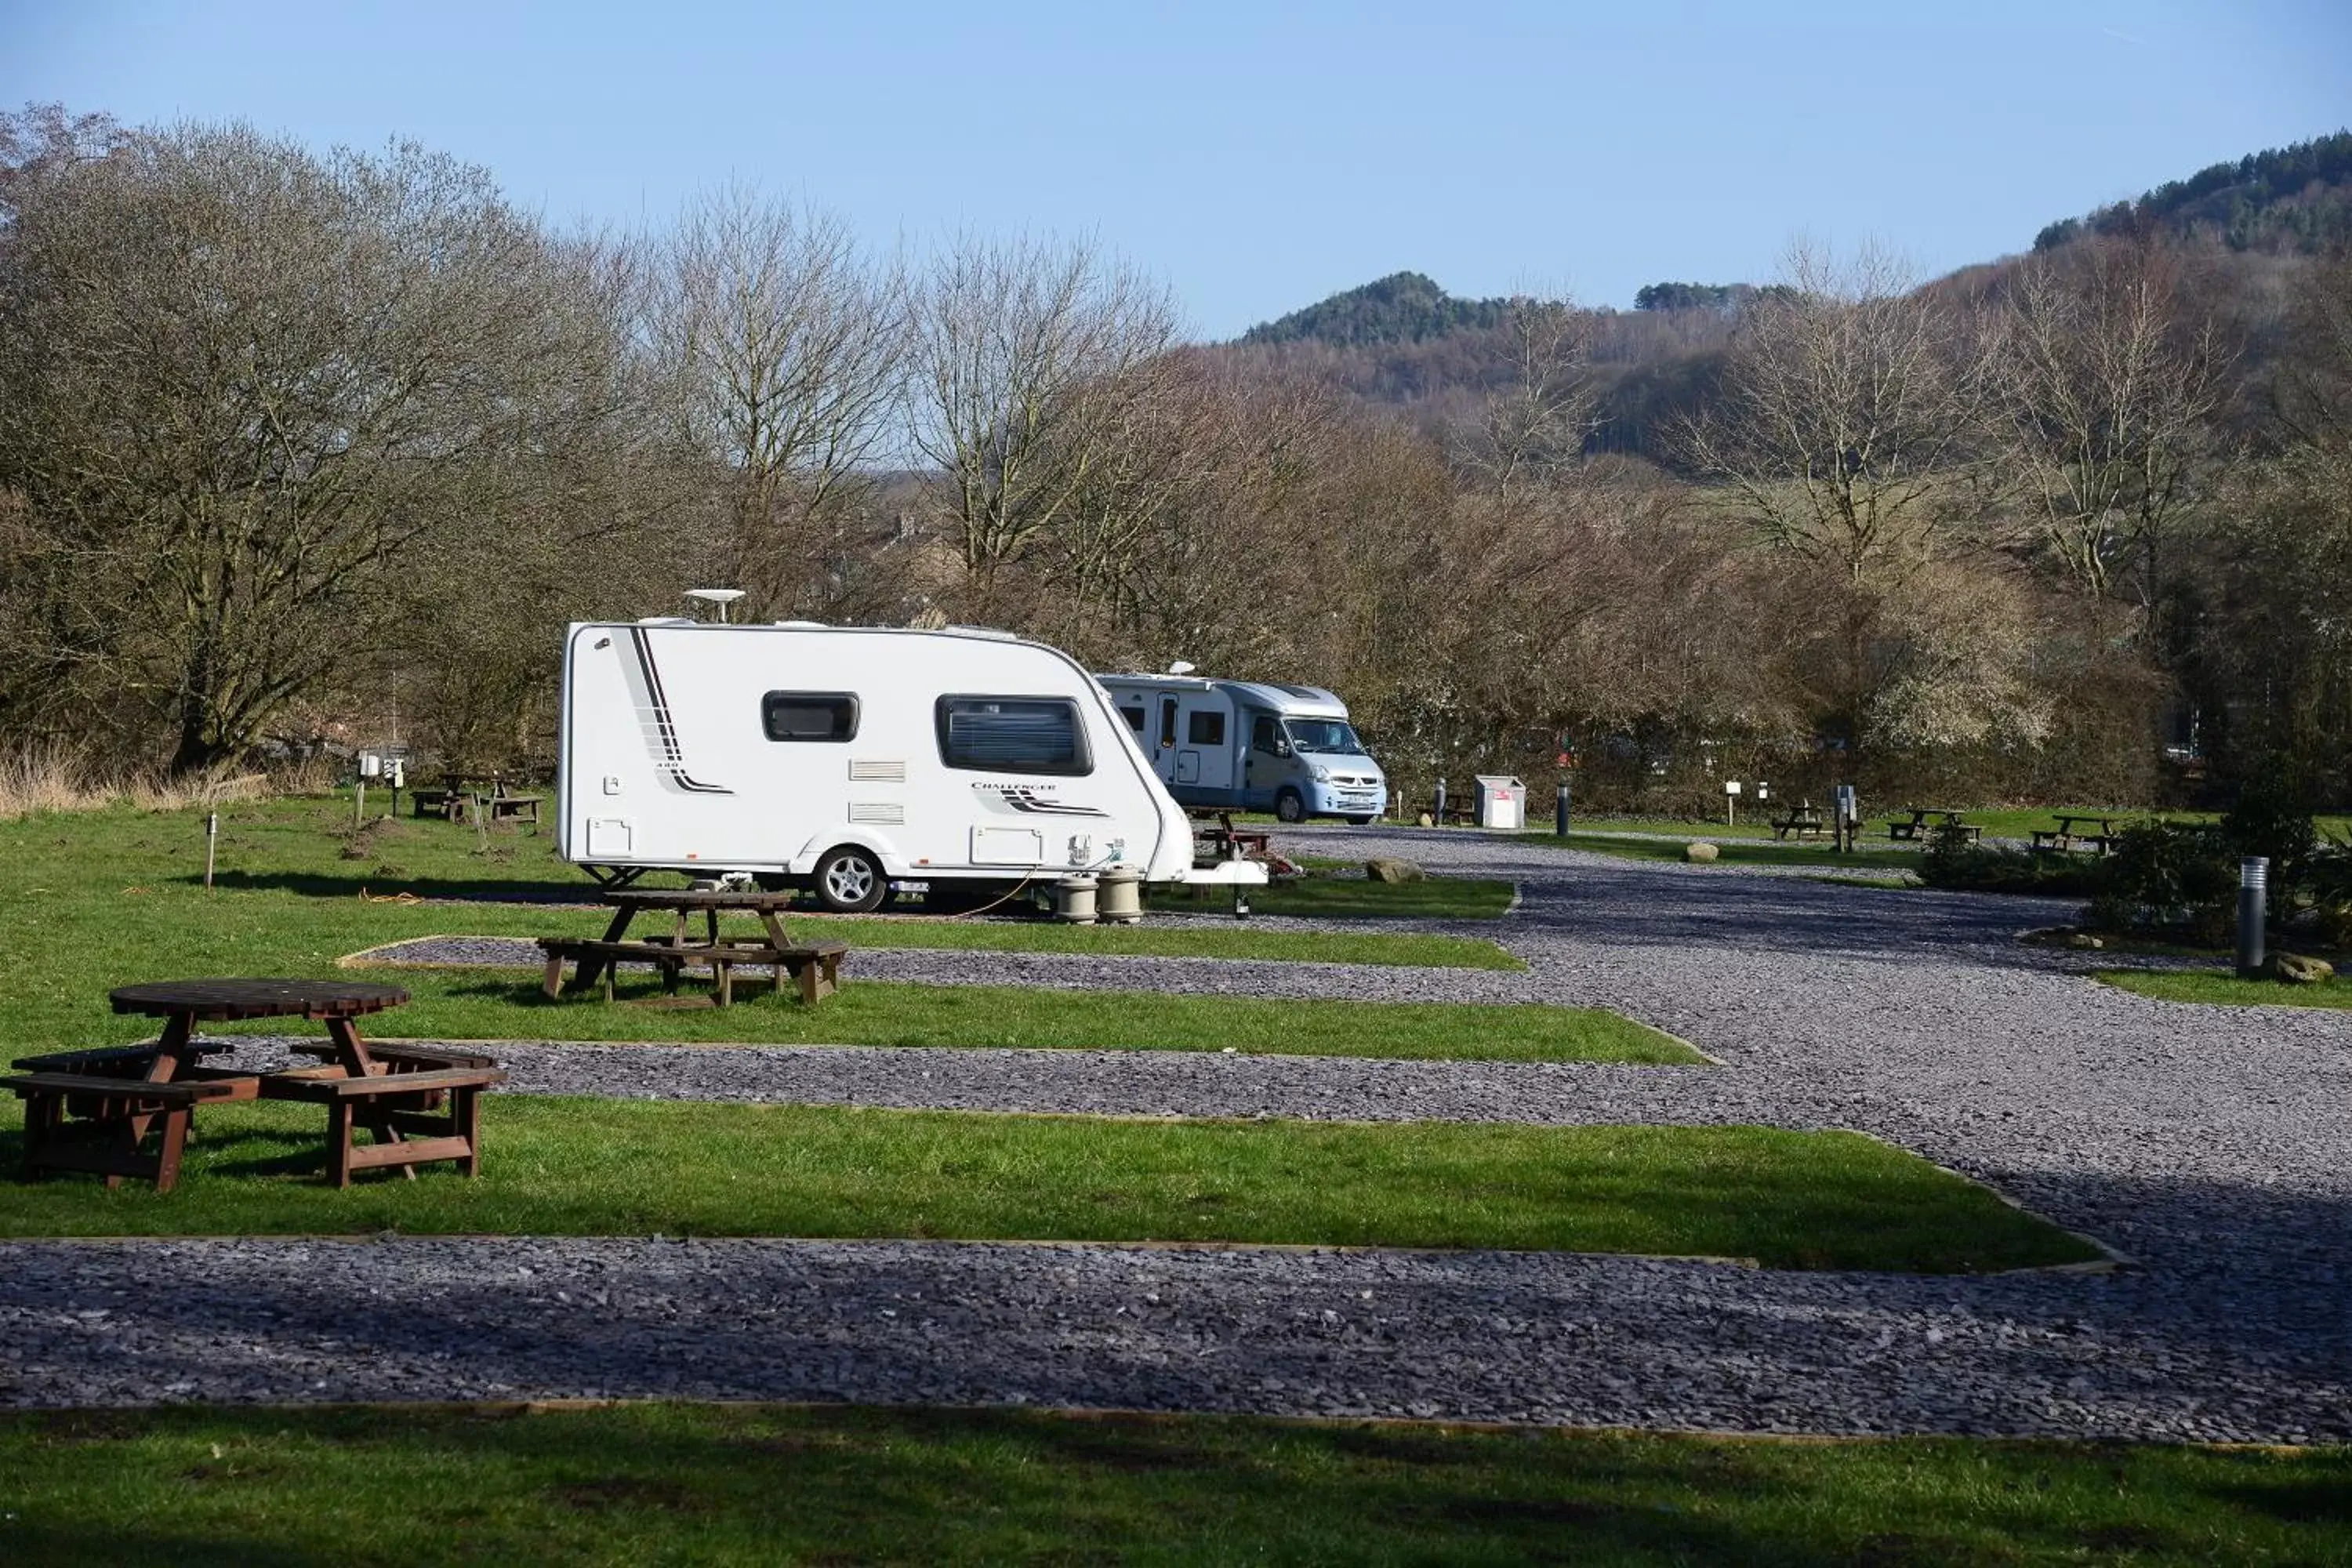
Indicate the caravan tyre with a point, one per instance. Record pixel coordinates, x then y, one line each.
849 881
1291 807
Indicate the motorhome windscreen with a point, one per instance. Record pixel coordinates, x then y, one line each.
1323 735
809 716
1013 735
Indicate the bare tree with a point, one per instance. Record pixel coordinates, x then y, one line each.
2110 387
1030 357
1844 429
1535 424
783 346
238 384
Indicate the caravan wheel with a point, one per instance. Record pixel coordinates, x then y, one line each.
849 881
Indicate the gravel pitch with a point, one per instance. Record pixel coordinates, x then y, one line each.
2211 1145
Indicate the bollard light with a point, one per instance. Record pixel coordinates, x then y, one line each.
1559 810
2253 891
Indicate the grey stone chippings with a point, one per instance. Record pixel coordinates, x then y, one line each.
2211 1145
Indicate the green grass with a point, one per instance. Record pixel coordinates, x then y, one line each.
2175 985
493 1004
722 1484
303 853
608 1167
90 901
1999 822
1737 852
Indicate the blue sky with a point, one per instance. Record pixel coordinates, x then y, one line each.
1260 156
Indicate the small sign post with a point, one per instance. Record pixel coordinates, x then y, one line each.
1731 802
212 838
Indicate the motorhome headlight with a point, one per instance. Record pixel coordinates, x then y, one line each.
1322 775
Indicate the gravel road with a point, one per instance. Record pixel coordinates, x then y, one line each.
2213 1146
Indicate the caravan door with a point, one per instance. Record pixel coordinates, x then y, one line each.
1204 753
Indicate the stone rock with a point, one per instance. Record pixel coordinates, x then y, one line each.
1382 870
2297 969
2083 938
1426 820
1700 850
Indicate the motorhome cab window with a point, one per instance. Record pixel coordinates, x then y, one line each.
809 716
1013 735
1206 730
1265 737
1323 735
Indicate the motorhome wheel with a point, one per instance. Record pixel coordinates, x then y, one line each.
849 881
1360 822
1291 807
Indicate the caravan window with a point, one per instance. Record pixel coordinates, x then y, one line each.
1205 729
1134 717
1013 735
809 715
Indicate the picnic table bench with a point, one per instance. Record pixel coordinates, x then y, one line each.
1925 822
92 1110
2066 836
815 966
1804 819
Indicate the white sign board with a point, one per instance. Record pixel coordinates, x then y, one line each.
1731 786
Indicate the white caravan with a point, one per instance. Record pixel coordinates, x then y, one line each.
845 759
1244 745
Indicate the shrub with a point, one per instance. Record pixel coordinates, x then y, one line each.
2271 819
1951 861
2168 874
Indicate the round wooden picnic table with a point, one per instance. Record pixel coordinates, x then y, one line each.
215 1000
184 1004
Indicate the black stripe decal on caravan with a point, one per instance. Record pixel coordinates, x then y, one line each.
665 729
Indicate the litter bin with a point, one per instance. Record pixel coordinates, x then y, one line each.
1502 802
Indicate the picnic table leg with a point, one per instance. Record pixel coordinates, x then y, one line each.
175 1139
338 1144
45 1115
465 1119
711 918
774 923
350 1049
553 984
726 976
592 967
177 1030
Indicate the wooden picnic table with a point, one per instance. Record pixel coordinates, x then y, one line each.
1226 842
815 965
1804 819
92 1110
2066 836
450 800
1923 821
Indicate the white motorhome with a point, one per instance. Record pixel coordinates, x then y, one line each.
846 759
1247 745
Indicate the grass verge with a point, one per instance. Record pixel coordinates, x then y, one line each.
1739 852
478 1005
610 1167
763 1484
2228 990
